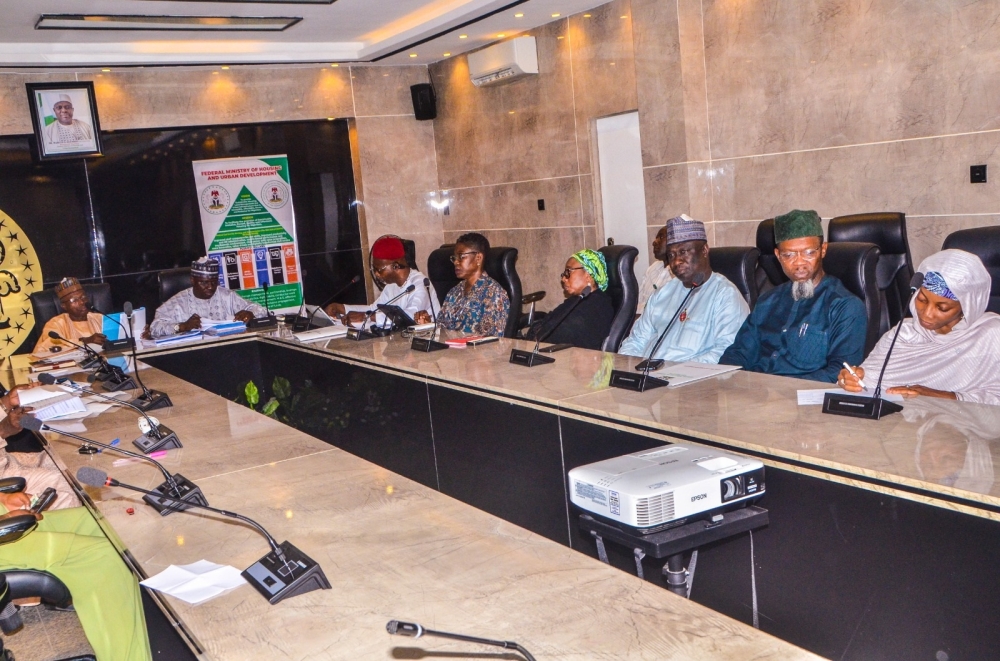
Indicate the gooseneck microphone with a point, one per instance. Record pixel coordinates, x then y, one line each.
121 343
268 321
874 407
159 436
356 279
177 488
107 372
149 400
532 358
697 281
408 290
429 344
397 628
284 572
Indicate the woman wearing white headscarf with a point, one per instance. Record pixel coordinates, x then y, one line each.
950 348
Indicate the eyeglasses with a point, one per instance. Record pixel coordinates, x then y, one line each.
808 255
393 266
455 259
568 272
76 299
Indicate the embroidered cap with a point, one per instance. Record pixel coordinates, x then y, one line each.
684 228
205 266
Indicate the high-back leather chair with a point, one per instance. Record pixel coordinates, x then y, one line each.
984 242
856 265
624 291
738 264
769 274
500 264
887 230
45 306
172 282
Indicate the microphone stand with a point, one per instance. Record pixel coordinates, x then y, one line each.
429 344
165 498
106 373
121 343
532 358
641 383
284 572
268 321
397 628
149 400
159 436
874 407
295 324
362 334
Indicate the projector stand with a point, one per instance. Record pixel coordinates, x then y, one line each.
672 544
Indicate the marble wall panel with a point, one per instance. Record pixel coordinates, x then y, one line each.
517 131
15 118
542 255
918 177
797 74
927 233
691 37
510 206
739 233
385 90
667 192
603 69
659 85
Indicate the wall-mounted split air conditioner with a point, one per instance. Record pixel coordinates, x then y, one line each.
504 62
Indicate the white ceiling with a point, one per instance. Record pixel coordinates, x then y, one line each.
345 31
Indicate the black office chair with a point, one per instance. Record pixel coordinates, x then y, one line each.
769 274
45 306
984 242
887 230
624 291
738 264
856 265
500 264
172 282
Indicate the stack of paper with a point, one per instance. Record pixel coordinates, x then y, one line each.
689 372
178 338
196 583
324 333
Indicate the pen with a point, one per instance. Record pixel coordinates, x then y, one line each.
855 375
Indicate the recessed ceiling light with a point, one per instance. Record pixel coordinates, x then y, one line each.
586 15
330 119
518 15
106 70
165 23
224 68
215 73
556 15
335 65
624 16
447 54
463 36
501 36
413 54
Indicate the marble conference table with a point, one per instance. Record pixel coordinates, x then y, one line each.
391 548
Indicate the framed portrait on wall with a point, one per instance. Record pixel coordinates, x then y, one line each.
64 116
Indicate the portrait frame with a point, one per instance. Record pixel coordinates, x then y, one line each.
82 137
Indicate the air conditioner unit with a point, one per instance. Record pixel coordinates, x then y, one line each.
504 62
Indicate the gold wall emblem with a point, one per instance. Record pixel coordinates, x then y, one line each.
20 275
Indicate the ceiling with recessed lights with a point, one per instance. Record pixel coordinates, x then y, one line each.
54 33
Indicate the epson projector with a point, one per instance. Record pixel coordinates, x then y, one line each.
650 491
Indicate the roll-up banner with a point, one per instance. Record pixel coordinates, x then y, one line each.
249 226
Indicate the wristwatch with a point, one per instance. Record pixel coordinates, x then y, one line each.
177 328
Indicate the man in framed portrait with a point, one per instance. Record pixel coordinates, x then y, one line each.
66 131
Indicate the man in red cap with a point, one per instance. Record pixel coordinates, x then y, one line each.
76 323
389 265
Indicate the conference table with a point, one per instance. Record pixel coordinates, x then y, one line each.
431 487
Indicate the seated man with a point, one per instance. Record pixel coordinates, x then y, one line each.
584 318
71 546
808 327
184 311
37 468
658 274
478 304
714 313
75 323
389 265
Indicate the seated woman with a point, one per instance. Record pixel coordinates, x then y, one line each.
950 348
478 304
584 318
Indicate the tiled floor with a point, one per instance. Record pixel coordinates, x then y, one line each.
48 635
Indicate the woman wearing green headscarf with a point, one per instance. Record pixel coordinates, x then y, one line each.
584 318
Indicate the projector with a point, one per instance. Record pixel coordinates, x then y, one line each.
654 490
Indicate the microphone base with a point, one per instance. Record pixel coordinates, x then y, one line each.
635 382
263 323
148 443
276 581
652 363
529 358
857 406
90 364
357 334
156 400
124 344
427 345
189 492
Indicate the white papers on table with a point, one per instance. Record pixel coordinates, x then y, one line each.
324 333
189 336
688 372
67 406
420 328
815 397
32 396
196 583
319 316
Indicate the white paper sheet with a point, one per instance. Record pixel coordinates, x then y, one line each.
60 408
32 396
689 372
815 397
196 583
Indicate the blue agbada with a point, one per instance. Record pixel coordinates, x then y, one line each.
810 339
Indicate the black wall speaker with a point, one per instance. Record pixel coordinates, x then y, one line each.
424 103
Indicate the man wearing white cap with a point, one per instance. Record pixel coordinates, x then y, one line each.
710 319
184 311
66 129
